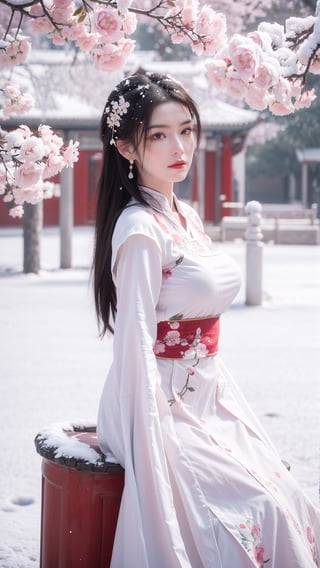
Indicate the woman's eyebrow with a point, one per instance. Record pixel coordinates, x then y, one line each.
184 123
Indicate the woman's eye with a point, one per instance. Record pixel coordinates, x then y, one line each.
187 131
157 136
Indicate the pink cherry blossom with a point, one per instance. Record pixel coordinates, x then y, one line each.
257 99
262 39
28 174
3 176
281 109
305 99
77 30
61 15
178 37
36 10
267 73
42 25
53 166
124 5
71 153
211 23
58 37
32 149
11 90
16 211
111 57
55 142
283 90
25 103
32 194
130 23
62 3
244 56
46 133
217 70
188 15
18 106
8 198
127 46
235 86
15 51
15 102
108 23
85 41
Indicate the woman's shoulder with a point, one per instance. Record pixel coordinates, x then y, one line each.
135 219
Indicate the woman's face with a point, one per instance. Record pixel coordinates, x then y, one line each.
165 156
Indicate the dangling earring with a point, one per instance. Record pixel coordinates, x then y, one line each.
130 174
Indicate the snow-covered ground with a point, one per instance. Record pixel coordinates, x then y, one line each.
53 366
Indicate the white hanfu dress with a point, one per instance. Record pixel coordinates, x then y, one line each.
204 487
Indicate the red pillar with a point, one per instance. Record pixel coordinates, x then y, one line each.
194 182
226 173
209 187
80 189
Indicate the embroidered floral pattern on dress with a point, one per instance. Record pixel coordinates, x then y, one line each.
167 272
311 540
181 339
201 244
188 343
251 540
186 387
176 237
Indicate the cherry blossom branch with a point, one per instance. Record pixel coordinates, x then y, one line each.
27 160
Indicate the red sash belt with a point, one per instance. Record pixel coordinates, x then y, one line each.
187 338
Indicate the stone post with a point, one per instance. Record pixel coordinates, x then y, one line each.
254 254
66 217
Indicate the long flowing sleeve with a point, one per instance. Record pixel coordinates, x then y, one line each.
135 436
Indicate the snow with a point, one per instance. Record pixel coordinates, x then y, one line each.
60 439
53 367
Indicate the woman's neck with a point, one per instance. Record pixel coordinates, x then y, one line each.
166 192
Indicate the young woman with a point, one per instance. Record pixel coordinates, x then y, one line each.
204 486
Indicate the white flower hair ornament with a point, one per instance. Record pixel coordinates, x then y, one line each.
115 112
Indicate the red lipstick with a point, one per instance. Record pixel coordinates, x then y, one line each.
178 165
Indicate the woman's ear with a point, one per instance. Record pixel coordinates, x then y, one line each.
125 149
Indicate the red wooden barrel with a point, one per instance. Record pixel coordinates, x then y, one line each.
80 500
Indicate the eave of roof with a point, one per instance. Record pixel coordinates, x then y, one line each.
309 155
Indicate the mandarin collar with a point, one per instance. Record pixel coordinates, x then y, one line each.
160 198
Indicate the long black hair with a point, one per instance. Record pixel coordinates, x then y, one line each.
143 92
